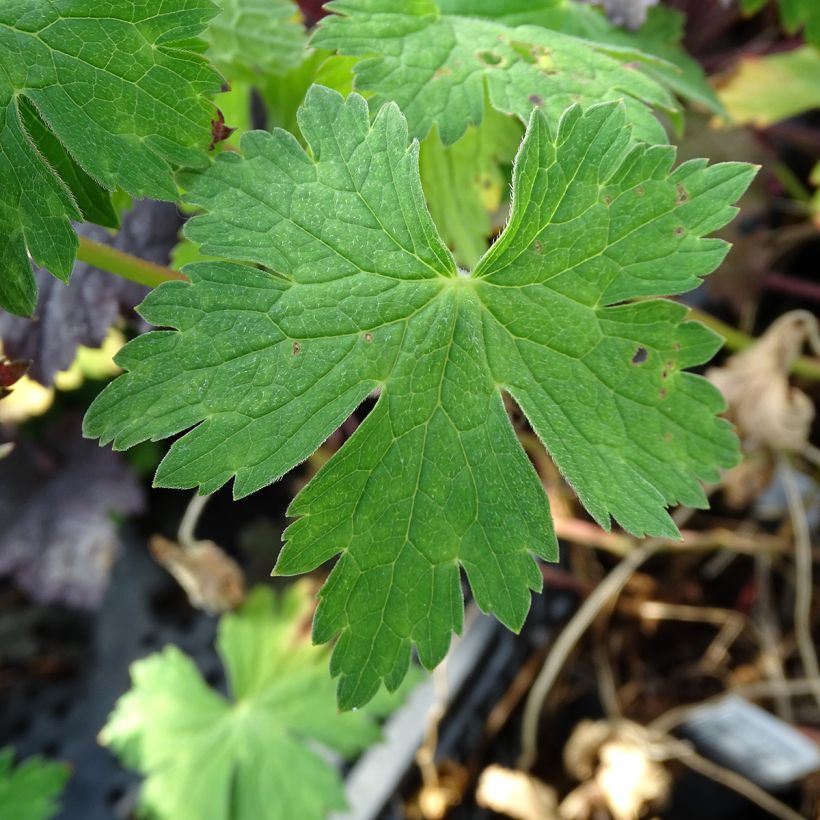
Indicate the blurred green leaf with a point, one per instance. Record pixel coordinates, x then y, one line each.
252 755
250 40
763 90
30 791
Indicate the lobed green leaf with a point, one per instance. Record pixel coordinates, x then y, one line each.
436 66
206 757
357 293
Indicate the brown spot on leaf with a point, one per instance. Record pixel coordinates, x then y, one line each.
675 345
640 356
667 436
682 194
297 348
640 190
680 231
219 131
662 393
442 71
537 100
607 199
368 337
538 246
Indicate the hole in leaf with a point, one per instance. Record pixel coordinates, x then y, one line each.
490 58
640 355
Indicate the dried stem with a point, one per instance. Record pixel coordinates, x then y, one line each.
771 659
190 518
803 580
732 780
583 618
666 722
426 755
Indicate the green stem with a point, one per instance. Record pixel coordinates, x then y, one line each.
124 264
737 340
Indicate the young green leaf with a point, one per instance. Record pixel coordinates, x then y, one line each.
208 758
366 297
465 183
436 67
94 94
251 40
31 790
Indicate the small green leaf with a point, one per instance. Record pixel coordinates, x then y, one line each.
436 67
31 790
94 94
359 294
251 756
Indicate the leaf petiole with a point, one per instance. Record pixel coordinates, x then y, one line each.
124 264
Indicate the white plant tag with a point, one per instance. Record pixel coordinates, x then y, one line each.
753 742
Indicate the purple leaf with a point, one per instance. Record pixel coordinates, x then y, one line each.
58 534
82 312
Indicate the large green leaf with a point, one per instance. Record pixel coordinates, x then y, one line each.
436 66
94 94
249 757
31 790
359 294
